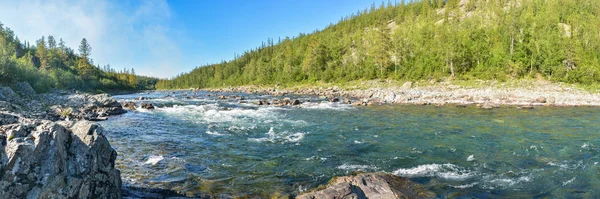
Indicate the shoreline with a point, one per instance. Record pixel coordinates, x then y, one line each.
485 96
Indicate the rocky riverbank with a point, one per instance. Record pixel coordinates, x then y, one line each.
49 149
369 185
486 94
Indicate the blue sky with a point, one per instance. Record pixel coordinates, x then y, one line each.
164 38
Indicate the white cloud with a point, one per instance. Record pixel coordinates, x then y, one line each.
124 36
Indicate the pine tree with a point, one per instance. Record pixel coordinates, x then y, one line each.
42 52
85 49
51 42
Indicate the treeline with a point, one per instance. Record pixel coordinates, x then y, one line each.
433 39
49 63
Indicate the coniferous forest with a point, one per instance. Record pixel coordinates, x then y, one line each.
49 63
502 40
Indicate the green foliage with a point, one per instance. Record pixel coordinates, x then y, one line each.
476 39
50 65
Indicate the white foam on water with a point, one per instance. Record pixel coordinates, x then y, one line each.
471 158
355 167
214 133
326 106
569 181
444 171
153 160
508 182
315 158
296 137
240 117
465 185
283 137
564 166
585 145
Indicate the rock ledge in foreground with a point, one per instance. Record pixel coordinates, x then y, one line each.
43 159
369 185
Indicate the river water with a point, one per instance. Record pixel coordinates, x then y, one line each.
194 143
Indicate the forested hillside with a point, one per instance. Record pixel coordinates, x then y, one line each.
49 63
460 39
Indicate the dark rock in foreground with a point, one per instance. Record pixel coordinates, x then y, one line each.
371 186
42 159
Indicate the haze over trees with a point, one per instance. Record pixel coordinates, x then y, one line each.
558 40
50 64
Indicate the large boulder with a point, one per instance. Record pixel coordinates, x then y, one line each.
52 161
369 185
24 89
103 100
102 105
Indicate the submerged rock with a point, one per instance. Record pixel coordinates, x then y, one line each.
369 185
52 161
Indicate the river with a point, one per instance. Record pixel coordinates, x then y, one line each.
194 143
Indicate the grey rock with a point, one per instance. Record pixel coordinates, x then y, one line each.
8 118
7 94
17 132
24 89
7 106
369 185
56 162
102 105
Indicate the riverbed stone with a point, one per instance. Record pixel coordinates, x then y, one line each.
540 100
295 102
369 185
129 105
147 106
